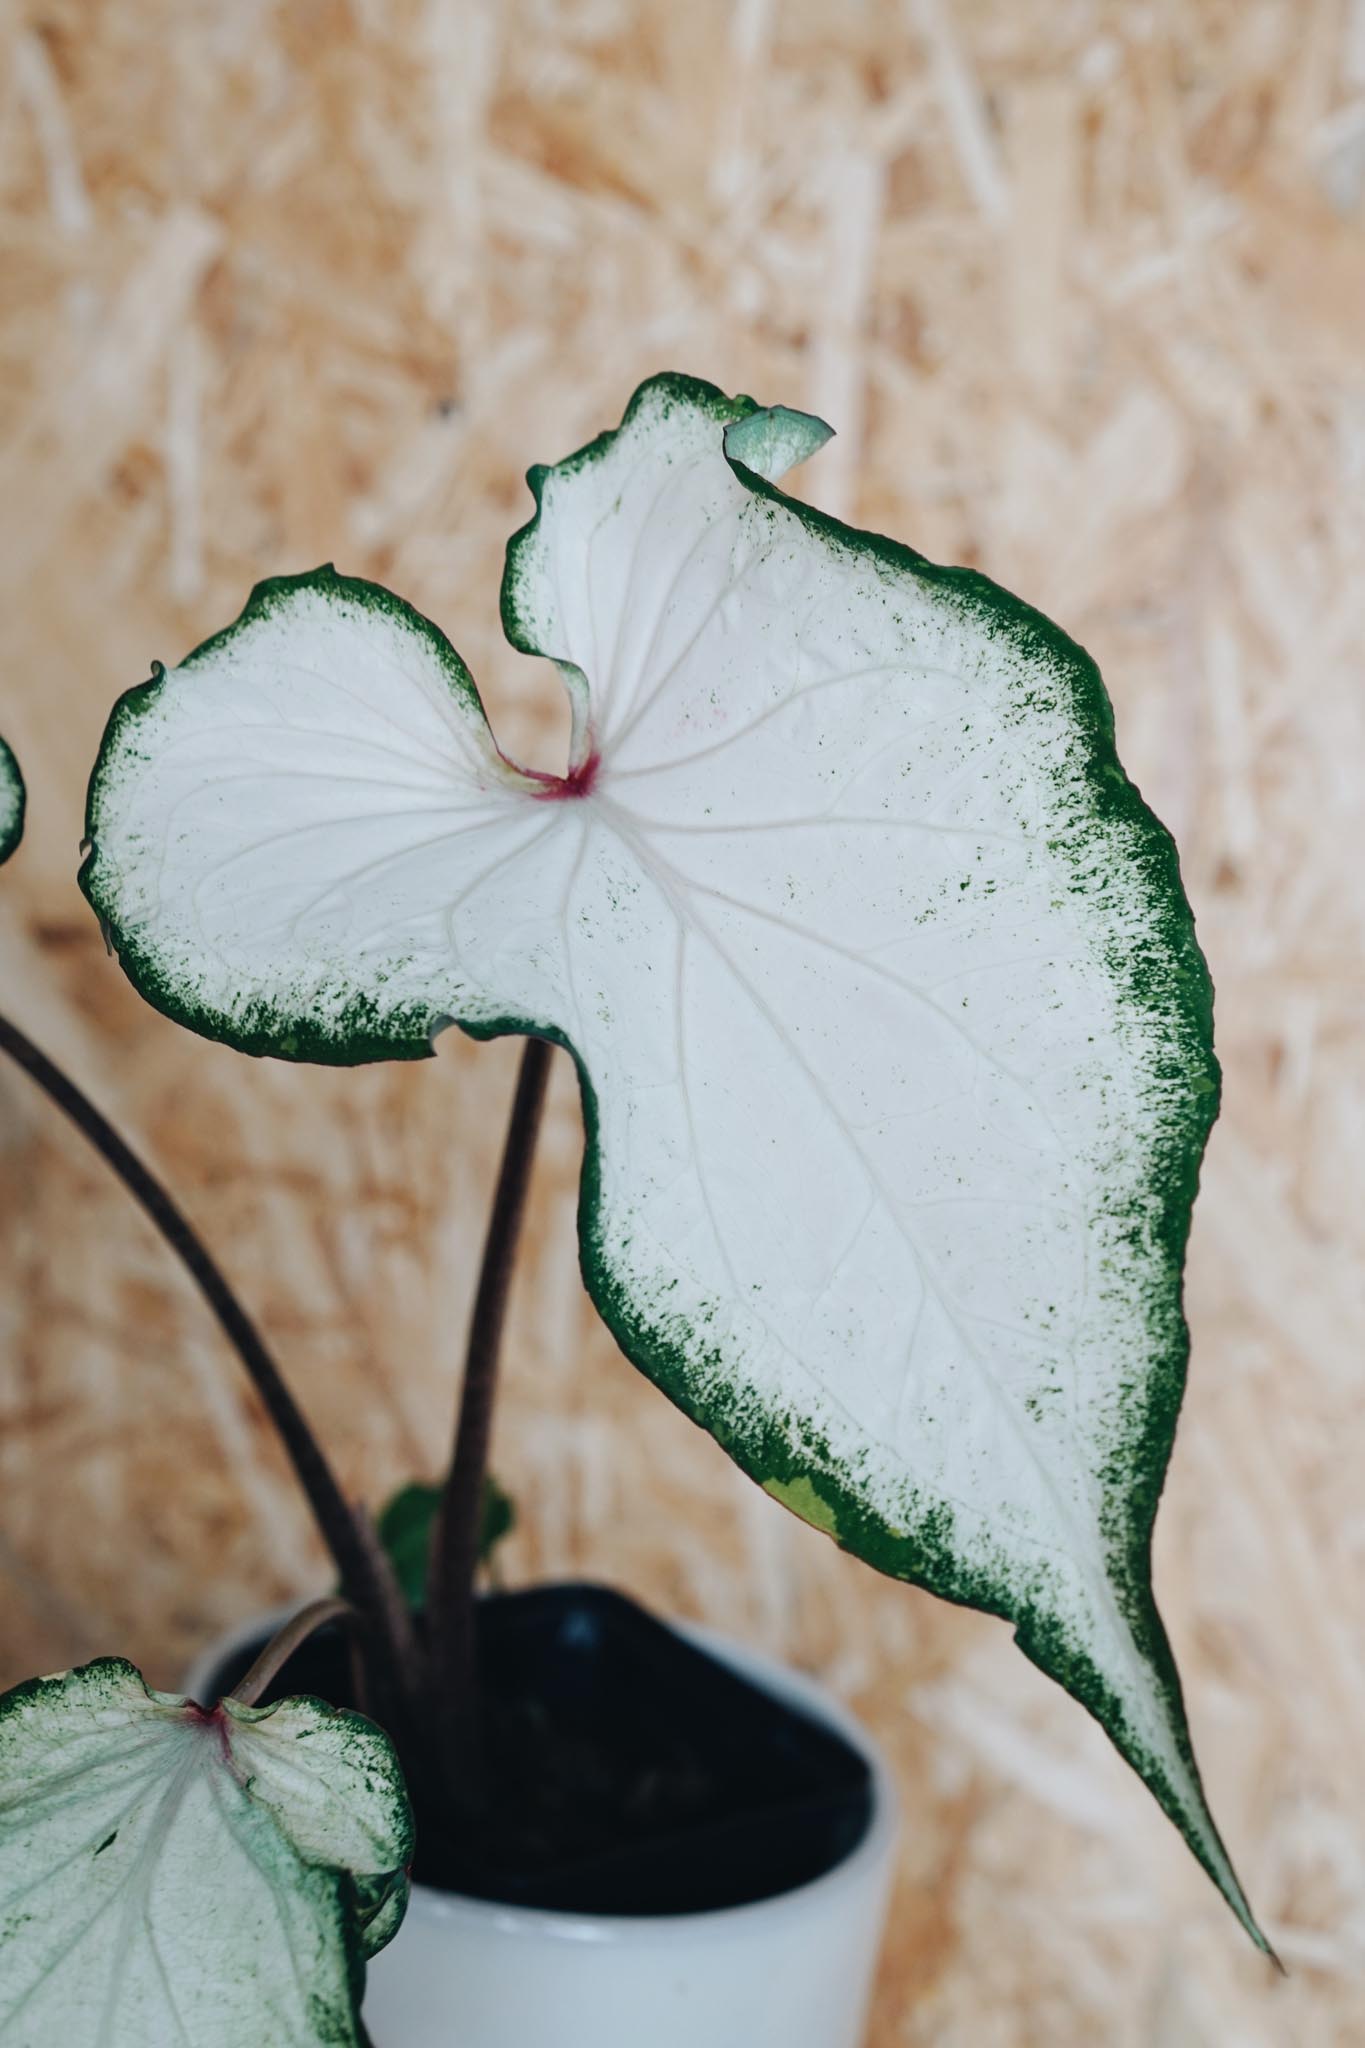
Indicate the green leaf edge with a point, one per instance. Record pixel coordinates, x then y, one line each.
369 1910
762 1449
771 1459
15 795
267 1033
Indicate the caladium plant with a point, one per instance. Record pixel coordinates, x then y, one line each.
893 1036
181 1875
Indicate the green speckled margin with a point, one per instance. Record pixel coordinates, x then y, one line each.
363 1910
675 389
1171 965
267 1031
13 802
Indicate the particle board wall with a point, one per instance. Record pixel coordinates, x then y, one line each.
1082 286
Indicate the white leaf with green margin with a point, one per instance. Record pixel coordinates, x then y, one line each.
11 803
187 1878
894 1037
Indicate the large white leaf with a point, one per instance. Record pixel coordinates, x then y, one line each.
894 1038
11 803
189 1879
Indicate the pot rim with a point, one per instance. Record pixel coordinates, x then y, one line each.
567 1924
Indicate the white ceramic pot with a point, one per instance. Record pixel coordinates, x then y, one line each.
794 1970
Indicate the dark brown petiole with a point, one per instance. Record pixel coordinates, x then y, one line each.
452 1645
364 1570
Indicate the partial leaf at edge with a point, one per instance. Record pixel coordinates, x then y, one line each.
12 801
192 1879
893 1033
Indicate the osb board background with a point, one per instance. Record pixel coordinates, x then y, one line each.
1082 287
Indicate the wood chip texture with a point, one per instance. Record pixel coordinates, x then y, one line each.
1082 287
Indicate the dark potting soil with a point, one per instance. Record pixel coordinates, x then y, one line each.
628 1770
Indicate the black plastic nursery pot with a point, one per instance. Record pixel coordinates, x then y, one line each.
631 1772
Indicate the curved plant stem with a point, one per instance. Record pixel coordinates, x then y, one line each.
453 1681
285 1641
365 1573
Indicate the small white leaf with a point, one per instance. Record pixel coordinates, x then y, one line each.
190 1879
775 440
894 1037
11 803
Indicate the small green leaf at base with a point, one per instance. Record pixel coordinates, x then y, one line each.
406 1524
178 1878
